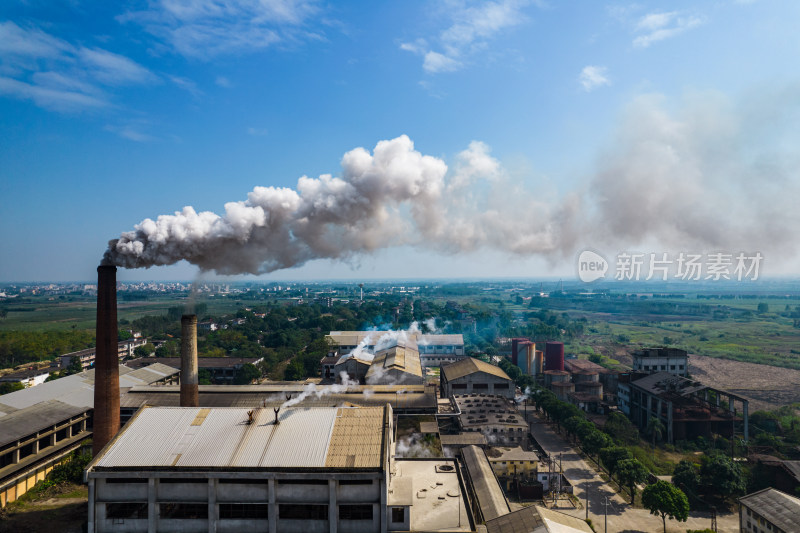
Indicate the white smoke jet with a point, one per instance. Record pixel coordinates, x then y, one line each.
360 351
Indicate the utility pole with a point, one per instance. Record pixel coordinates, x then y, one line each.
605 518
587 503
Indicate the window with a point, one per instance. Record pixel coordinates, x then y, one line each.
183 510
243 510
244 481
398 515
182 480
355 482
126 480
480 386
124 510
302 512
500 386
355 512
672 367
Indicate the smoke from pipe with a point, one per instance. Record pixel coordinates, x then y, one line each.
705 175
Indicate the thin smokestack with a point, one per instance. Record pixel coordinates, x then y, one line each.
190 394
106 369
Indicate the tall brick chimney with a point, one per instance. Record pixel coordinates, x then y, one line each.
106 367
190 394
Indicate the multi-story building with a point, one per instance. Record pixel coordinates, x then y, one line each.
125 349
769 511
652 360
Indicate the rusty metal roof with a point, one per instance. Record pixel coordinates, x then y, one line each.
468 366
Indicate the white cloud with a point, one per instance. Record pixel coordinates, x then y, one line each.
436 62
60 76
655 27
187 85
593 77
207 28
472 26
222 81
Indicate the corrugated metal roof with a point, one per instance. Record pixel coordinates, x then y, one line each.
399 358
490 496
468 365
24 422
775 506
179 437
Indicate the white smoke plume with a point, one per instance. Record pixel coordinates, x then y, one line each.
394 196
412 446
701 174
319 392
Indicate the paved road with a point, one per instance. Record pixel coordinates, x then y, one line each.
621 516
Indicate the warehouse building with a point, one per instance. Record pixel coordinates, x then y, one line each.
43 425
221 369
292 470
493 416
470 375
397 364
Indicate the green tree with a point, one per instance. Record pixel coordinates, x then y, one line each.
621 429
655 428
75 366
722 477
666 500
203 377
144 350
763 307
631 472
685 477
294 371
124 334
247 374
595 441
612 456
8 386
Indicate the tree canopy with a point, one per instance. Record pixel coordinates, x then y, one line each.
666 500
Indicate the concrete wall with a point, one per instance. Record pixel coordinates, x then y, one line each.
329 489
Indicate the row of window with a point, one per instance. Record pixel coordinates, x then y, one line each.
230 511
663 367
173 480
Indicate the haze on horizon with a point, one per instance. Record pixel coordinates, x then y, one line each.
482 140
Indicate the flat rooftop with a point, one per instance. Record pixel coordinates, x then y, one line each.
433 492
202 438
480 410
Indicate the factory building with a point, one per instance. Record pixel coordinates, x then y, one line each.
652 360
769 510
355 368
473 375
397 364
29 377
41 426
687 408
434 350
493 416
290 470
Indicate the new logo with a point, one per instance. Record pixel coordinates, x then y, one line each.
591 266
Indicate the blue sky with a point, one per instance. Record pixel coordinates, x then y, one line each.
114 112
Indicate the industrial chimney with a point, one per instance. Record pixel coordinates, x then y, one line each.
106 367
190 395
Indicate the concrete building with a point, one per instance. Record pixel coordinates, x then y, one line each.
295 470
40 427
434 350
652 360
355 368
687 408
512 461
493 416
473 375
326 367
125 350
769 511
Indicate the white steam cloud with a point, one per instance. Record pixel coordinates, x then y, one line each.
706 174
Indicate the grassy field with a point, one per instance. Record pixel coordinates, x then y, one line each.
80 313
